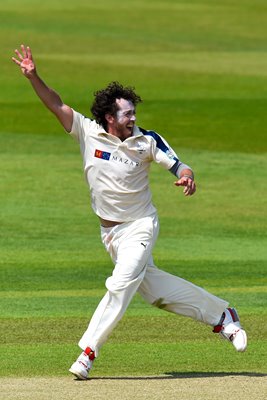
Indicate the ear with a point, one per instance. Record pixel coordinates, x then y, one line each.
109 118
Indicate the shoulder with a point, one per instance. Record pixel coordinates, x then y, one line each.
83 127
154 137
86 123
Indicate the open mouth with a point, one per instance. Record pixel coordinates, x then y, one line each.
130 127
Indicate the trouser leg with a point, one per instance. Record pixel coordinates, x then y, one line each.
130 246
108 313
174 294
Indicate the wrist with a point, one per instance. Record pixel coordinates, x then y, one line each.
189 176
32 75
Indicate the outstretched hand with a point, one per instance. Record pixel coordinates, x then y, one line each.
25 62
188 183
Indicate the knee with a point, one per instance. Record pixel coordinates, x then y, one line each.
119 283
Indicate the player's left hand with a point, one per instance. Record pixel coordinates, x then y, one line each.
188 183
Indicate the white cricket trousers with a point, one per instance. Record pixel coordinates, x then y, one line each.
130 247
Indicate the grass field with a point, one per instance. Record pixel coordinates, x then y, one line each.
201 70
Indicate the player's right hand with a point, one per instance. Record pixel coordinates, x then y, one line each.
25 61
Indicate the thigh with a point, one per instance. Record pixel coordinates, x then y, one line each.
130 246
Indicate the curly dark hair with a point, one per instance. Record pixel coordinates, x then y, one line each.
105 101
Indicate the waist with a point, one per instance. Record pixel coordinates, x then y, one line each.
108 224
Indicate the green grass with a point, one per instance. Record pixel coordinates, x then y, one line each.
201 70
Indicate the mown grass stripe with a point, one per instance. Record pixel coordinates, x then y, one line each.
100 292
215 63
51 293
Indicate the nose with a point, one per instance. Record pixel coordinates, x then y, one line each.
133 118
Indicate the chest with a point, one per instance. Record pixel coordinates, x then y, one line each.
110 153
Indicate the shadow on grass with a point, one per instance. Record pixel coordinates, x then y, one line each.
181 375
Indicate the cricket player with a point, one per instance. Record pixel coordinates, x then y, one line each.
116 158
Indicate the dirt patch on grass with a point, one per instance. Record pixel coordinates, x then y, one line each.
246 386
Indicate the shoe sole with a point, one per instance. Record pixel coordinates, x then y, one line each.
78 375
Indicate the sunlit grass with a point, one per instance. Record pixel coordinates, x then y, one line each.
200 68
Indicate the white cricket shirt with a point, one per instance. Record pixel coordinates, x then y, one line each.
116 171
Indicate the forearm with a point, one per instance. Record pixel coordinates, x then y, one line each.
180 169
186 172
47 95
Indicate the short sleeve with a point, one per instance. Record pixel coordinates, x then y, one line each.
80 125
161 152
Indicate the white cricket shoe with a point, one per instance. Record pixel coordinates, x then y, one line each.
81 367
230 328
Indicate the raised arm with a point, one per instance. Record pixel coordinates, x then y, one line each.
48 96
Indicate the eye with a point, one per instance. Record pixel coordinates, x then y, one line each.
130 113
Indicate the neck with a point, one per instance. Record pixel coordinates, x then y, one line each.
121 135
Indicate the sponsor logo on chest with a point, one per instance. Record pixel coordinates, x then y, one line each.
124 160
104 155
